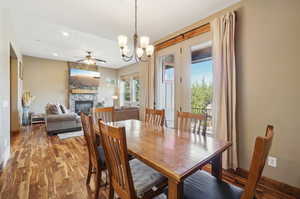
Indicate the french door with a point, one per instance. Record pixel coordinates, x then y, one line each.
196 73
184 77
167 66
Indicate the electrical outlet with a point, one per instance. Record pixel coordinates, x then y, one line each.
272 161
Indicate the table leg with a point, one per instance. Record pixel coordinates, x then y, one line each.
175 189
216 169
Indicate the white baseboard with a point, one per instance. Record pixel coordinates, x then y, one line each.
5 158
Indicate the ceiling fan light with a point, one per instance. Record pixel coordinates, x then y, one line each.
149 50
122 40
144 41
139 52
89 61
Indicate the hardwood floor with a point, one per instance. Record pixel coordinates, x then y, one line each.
46 167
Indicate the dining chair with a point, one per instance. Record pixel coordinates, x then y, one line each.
107 114
191 122
97 162
129 179
203 185
155 116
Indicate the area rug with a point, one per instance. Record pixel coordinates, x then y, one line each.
63 136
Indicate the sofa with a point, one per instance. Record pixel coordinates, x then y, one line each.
58 119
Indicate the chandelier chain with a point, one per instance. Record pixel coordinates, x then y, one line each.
135 17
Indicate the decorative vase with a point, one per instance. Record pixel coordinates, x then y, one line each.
25 117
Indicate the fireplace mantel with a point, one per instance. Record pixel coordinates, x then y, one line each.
83 91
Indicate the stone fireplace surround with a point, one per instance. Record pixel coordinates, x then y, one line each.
81 97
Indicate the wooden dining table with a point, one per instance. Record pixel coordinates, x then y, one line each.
174 153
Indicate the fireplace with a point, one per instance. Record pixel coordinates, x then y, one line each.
83 106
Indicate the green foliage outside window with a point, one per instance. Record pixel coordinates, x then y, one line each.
201 96
127 90
137 89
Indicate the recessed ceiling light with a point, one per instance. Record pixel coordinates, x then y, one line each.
66 34
55 54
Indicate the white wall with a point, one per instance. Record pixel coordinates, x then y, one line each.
268 69
107 90
48 81
6 38
127 70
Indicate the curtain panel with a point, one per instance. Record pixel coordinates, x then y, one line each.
147 86
224 100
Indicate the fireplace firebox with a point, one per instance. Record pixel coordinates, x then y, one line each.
83 106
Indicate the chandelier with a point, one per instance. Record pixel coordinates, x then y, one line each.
139 53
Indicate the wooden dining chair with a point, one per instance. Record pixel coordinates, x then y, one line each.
155 116
107 114
129 179
191 122
204 185
96 153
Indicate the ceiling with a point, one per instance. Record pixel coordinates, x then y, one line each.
95 24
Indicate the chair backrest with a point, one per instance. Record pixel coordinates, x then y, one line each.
116 154
90 137
155 116
107 114
191 122
260 154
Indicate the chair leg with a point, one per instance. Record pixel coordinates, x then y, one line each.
111 192
98 183
88 179
106 178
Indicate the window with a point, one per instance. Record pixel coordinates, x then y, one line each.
136 89
130 90
127 93
202 83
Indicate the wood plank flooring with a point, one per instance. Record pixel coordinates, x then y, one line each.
44 167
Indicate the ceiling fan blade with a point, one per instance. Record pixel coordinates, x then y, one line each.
101 60
80 60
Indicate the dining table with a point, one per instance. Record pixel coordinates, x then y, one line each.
174 153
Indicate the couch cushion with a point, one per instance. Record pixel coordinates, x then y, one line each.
203 185
63 117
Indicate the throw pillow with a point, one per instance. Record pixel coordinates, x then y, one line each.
59 109
64 110
52 109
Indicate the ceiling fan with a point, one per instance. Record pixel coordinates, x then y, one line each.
89 59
